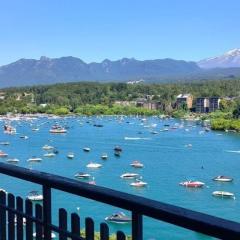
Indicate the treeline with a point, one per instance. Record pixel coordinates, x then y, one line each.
95 98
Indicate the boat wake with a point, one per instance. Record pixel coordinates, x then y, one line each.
136 138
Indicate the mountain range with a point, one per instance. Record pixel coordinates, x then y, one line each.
71 69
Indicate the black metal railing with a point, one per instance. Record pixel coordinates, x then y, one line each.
39 217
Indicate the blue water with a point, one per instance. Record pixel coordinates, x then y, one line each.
167 161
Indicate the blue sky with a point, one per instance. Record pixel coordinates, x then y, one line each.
97 29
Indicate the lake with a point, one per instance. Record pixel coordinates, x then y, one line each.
185 152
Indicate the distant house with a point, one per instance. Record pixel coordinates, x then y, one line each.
2 95
43 105
214 103
125 103
185 99
144 103
202 105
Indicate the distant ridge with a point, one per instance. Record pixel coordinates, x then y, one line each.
71 69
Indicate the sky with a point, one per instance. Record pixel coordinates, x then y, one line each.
94 30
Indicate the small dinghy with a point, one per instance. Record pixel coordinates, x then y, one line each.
57 129
104 156
49 155
13 160
82 175
129 175
138 183
223 179
118 149
34 159
86 149
5 143
136 164
223 194
94 165
47 147
117 154
119 218
70 155
35 196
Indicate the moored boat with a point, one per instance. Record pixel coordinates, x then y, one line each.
5 143
34 159
70 155
136 164
35 196
49 154
119 218
223 194
129 175
118 149
138 183
12 160
94 165
47 147
8 129
86 149
223 179
57 129
104 156
82 175
3 154
193 184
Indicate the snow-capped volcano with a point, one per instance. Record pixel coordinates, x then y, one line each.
227 60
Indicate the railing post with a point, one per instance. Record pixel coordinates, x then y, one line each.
137 226
47 212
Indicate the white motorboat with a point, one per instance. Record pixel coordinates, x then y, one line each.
70 155
35 129
5 143
138 183
94 165
86 149
47 147
57 129
223 179
82 175
129 175
34 159
35 196
104 156
136 164
119 218
223 194
49 154
13 160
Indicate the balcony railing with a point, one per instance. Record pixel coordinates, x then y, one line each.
39 217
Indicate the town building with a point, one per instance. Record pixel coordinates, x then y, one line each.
2 95
185 99
214 103
202 105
